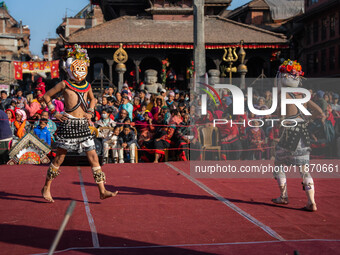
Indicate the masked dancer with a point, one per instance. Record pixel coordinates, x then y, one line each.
294 145
73 132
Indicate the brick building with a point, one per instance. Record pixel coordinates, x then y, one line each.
272 15
89 16
278 16
14 44
321 41
48 49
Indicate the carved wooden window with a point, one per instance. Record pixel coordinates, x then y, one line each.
315 62
324 28
332 58
332 25
323 60
310 63
315 31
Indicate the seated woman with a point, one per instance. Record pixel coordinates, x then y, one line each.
145 128
34 106
157 106
242 129
322 134
136 106
20 126
161 140
11 115
273 139
256 141
187 135
163 137
140 113
118 99
230 141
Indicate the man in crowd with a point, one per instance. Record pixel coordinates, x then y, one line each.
5 137
172 105
143 100
21 101
127 141
5 100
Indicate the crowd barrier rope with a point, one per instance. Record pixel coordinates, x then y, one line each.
237 123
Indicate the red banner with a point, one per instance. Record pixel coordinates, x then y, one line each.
18 70
21 67
55 69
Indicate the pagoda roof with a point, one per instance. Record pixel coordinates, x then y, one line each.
134 30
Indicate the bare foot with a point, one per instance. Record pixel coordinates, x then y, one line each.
108 194
310 208
155 161
47 194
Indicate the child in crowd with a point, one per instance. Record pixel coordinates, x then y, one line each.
127 141
111 142
42 131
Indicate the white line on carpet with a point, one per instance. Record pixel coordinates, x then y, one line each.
232 206
188 245
95 240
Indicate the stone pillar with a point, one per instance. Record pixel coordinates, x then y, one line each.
120 69
110 63
137 63
214 76
199 41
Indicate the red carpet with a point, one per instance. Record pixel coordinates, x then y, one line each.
156 207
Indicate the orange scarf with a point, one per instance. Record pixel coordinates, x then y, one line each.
20 128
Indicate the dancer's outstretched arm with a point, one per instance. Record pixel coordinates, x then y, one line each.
56 89
316 110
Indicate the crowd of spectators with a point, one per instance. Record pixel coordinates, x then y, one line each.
167 125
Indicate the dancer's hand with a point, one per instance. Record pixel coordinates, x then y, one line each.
61 117
88 116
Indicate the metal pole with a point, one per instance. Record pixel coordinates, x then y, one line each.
68 214
199 41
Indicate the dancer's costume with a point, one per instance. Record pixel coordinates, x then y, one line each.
74 134
294 145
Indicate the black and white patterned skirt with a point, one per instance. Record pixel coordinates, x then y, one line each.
74 134
294 146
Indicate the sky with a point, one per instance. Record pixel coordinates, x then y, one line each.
44 16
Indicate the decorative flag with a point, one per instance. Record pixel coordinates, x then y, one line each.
55 69
21 67
18 70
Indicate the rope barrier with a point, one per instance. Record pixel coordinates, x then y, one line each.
200 150
154 125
